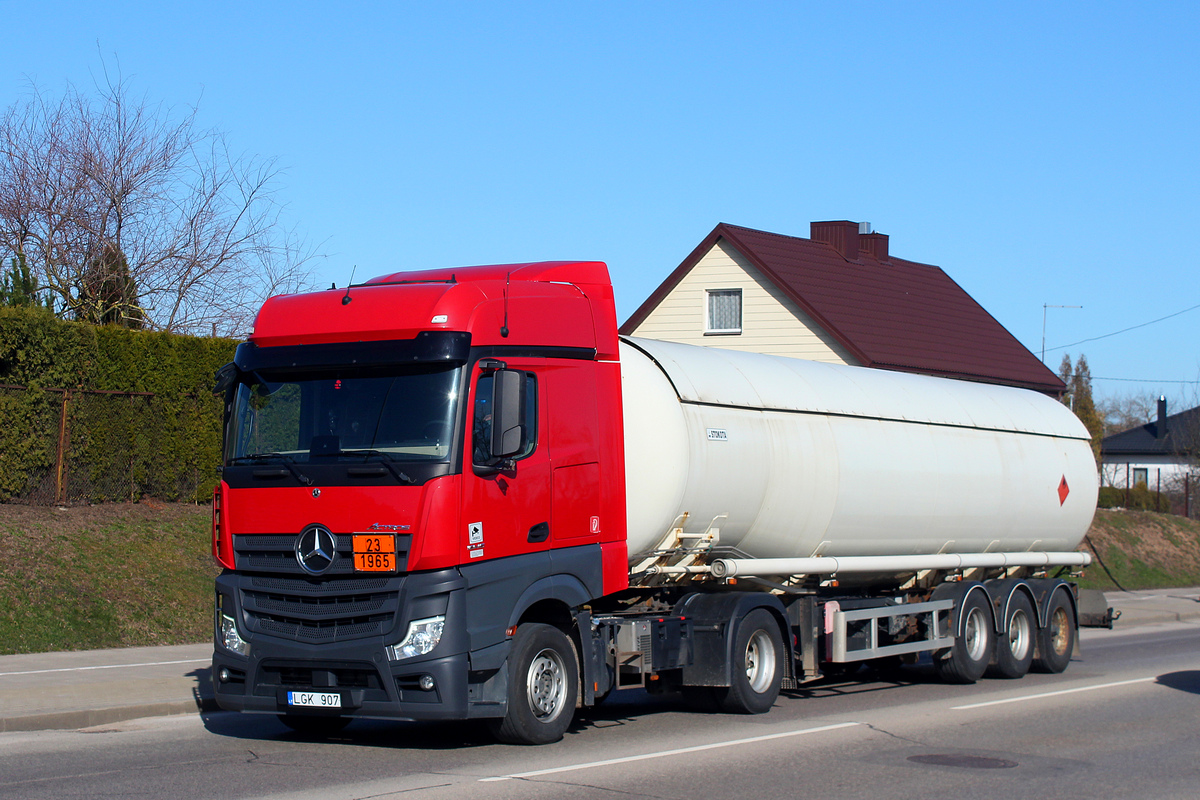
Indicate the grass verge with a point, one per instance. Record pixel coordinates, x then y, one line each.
1142 550
113 575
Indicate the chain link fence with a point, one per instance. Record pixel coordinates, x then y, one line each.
65 447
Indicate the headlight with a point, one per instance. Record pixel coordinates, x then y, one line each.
230 639
227 635
423 635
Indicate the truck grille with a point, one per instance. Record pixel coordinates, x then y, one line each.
332 610
276 553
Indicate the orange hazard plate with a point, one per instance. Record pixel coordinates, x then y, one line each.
374 552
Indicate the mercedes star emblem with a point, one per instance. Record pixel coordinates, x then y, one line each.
316 549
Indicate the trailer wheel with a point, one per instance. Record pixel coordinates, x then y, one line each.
757 669
313 725
543 683
1014 649
1056 641
972 650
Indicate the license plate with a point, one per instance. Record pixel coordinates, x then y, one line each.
315 699
375 552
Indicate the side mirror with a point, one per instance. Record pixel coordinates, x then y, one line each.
508 411
224 378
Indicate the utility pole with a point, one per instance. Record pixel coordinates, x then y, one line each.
1044 307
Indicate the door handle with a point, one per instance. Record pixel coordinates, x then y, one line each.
539 533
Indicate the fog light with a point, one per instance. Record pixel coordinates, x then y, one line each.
426 682
423 635
223 675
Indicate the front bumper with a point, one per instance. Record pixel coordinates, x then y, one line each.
293 633
368 685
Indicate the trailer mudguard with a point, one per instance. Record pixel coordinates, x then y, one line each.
714 618
959 591
1044 589
1002 591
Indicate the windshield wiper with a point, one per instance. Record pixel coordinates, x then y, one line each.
286 460
384 457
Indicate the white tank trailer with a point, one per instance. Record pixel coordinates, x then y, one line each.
872 475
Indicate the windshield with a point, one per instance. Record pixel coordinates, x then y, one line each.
399 414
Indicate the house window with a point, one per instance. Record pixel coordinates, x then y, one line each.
1141 476
724 311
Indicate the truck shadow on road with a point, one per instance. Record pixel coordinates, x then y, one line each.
1185 680
625 708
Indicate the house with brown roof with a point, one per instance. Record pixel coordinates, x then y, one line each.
838 296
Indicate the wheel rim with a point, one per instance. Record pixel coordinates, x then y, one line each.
546 685
1059 631
1019 638
974 635
760 661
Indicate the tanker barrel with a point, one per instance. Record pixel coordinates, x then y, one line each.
812 460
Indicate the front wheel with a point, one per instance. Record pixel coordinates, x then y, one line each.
757 669
543 683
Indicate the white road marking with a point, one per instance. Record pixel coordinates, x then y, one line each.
665 753
1052 694
109 666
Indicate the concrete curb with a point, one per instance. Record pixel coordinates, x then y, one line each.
90 717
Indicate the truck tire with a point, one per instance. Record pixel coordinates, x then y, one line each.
972 650
757 669
1056 641
313 725
1014 648
543 684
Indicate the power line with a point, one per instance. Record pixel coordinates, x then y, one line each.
1141 380
1126 330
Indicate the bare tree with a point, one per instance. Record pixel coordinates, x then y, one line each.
129 213
1126 411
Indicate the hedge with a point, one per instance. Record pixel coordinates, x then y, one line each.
165 445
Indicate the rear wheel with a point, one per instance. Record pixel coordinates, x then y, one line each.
1014 649
543 683
757 669
972 650
1056 641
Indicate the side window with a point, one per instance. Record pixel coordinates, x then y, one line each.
481 431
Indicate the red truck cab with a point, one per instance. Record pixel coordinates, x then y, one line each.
414 469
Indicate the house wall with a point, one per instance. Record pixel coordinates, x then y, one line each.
1118 471
771 323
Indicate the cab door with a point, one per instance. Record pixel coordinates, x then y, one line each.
506 499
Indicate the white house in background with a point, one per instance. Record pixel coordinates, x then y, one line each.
837 297
1160 454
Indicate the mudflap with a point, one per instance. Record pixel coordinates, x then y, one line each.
1094 611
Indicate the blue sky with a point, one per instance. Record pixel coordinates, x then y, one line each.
1040 153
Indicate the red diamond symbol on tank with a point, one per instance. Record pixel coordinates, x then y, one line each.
1063 490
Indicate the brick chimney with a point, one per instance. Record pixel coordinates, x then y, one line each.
841 234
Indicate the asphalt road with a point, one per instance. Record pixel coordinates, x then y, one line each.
1122 722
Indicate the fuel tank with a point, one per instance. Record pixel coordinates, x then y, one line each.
795 458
